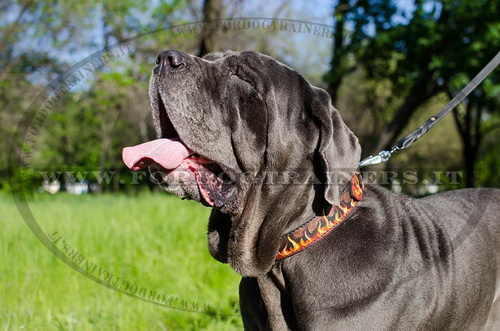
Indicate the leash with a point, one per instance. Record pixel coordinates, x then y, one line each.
406 141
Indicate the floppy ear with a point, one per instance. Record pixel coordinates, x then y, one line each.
338 147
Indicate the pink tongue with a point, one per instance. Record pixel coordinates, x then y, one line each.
166 152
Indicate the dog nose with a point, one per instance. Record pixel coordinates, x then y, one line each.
171 59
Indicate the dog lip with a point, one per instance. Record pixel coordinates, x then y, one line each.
166 126
169 131
200 166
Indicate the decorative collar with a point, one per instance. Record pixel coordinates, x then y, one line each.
319 226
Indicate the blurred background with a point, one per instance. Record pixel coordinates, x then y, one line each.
74 91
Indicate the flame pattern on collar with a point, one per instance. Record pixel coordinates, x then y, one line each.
319 226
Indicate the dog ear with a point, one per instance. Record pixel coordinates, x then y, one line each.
338 148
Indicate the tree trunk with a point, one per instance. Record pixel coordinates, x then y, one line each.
469 127
212 11
339 54
470 156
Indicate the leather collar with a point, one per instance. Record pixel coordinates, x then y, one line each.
319 226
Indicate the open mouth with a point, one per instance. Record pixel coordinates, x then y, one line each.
176 160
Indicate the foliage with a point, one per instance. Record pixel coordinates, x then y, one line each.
388 63
437 49
85 129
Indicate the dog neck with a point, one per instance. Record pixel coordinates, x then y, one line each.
318 227
250 242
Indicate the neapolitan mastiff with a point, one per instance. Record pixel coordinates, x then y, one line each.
251 138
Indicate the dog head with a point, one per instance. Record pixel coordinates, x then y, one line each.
250 137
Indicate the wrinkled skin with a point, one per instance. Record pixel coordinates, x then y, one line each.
395 264
228 108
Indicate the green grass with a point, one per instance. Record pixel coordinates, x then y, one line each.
154 241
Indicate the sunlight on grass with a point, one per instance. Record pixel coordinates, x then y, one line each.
153 241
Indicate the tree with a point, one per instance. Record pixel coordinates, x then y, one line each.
436 49
36 38
475 119
212 11
353 21
442 40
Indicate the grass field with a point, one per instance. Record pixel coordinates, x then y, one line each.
153 241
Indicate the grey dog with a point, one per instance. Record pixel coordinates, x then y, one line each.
233 127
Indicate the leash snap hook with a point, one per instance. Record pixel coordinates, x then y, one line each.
382 156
